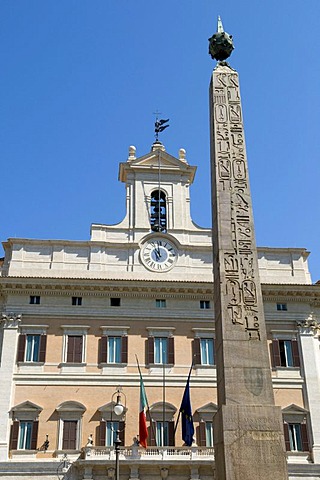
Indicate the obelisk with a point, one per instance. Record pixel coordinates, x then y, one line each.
248 430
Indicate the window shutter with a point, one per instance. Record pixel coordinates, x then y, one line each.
14 434
70 349
196 355
122 433
103 349
21 348
286 436
151 434
201 434
74 353
214 350
78 349
43 348
150 350
69 435
171 433
295 353
304 438
276 360
34 436
124 349
102 434
171 350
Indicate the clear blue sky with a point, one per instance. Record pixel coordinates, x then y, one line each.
80 80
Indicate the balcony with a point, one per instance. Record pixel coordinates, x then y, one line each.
150 454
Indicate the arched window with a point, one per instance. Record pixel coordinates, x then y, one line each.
158 211
161 431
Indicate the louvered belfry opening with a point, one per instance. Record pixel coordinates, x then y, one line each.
158 211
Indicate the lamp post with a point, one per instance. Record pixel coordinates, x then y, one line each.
118 409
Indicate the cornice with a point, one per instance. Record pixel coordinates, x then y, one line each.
98 287
101 288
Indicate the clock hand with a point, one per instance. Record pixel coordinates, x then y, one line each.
157 254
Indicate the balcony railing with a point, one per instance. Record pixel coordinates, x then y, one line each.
151 453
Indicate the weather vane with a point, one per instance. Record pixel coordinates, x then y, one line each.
159 126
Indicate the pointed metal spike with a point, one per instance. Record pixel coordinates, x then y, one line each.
220 26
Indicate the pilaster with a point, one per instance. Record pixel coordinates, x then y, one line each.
9 325
309 344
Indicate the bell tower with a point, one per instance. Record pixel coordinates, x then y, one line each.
157 190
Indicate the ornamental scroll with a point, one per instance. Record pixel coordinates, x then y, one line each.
240 263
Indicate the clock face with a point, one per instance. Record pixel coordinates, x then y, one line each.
159 254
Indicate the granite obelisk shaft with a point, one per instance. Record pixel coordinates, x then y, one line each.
249 441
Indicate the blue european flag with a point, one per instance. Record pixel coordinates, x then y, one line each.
186 413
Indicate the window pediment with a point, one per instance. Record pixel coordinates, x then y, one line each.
71 406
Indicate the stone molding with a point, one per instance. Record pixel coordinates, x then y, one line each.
309 325
10 320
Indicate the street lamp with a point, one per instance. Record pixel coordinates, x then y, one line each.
118 409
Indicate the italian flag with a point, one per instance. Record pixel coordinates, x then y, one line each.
143 431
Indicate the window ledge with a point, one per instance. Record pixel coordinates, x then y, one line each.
285 372
112 368
157 369
67 367
298 457
23 454
30 364
112 365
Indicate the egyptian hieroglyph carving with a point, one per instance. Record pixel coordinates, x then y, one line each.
239 265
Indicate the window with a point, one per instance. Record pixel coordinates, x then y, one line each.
69 439
158 211
24 434
204 429
115 302
160 346
32 348
24 430
206 349
70 415
74 349
109 424
161 431
111 433
77 301
34 300
282 307
161 350
160 303
113 348
209 434
296 437
285 353
205 304
203 348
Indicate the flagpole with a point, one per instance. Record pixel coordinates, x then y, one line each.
176 425
163 399
150 419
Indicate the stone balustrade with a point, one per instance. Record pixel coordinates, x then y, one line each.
150 453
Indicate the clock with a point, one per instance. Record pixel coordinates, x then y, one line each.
159 254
